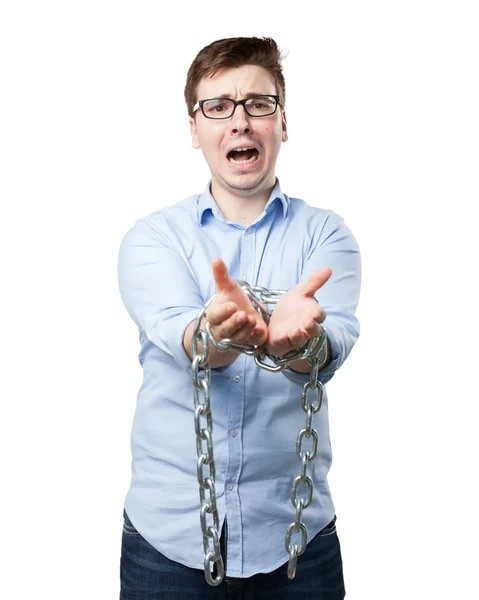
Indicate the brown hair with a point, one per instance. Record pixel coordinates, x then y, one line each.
235 52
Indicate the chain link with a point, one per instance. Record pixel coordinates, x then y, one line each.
315 352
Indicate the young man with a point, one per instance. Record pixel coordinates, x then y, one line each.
242 227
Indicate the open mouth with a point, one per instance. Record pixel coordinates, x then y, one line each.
243 156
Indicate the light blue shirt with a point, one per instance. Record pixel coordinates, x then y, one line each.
165 278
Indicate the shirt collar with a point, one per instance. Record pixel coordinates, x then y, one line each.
206 201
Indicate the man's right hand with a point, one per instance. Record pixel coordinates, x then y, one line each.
231 313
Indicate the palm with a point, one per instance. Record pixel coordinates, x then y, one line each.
228 290
297 316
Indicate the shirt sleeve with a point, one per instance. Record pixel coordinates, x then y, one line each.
158 289
339 296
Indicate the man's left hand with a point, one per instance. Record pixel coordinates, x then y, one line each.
297 317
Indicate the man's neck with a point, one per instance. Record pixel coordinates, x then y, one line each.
243 210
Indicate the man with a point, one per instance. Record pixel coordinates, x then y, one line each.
242 227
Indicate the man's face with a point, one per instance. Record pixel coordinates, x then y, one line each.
217 137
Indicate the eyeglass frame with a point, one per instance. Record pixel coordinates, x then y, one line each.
200 103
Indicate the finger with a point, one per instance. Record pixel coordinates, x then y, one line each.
316 280
297 338
247 333
259 335
224 282
231 327
251 332
319 315
217 313
313 329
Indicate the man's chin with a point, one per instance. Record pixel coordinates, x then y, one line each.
245 182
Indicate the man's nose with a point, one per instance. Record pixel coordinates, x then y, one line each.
240 120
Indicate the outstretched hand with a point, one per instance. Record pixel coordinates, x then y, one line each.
231 313
296 318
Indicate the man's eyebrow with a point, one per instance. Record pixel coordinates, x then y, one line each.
248 95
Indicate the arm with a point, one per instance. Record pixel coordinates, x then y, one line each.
162 296
158 288
338 249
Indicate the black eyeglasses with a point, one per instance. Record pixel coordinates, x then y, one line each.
223 108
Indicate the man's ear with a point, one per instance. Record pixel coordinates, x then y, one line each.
194 137
284 127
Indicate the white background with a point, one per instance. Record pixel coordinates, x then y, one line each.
94 135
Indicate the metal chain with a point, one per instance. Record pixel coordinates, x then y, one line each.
315 352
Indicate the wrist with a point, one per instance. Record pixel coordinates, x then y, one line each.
217 358
304 366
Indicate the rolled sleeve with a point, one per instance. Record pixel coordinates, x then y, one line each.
173 332
338 249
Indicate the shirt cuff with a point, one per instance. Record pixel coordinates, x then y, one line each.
326 374
173 332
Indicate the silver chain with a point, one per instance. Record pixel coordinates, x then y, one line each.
315 351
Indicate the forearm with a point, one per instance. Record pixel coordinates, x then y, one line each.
217 358
303 366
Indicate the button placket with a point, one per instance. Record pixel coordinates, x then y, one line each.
247 258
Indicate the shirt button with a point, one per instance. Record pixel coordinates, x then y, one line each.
234 433
229 487
245 276
248 231
236 378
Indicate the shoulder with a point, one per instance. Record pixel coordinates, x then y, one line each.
169 220
319 226
178 215
312 214
172 227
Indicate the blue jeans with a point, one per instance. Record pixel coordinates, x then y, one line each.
145 574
